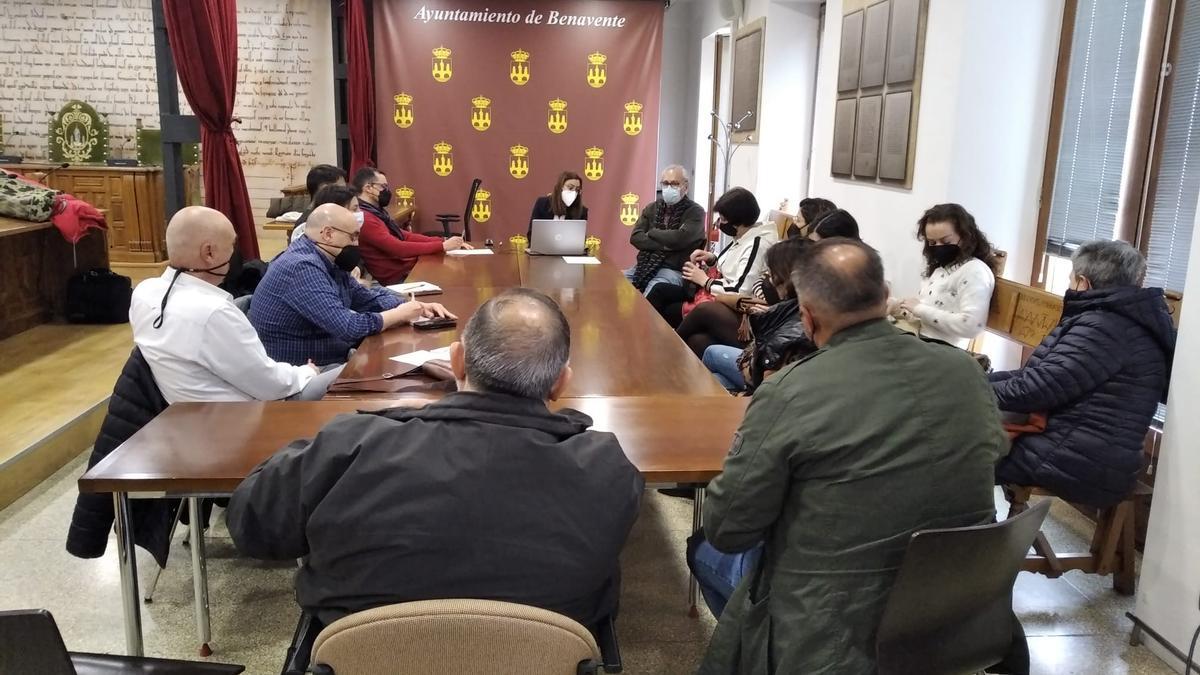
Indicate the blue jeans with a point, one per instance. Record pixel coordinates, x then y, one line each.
718 574
662 276
722 361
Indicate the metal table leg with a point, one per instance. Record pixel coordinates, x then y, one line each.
199 575
127 557
697 518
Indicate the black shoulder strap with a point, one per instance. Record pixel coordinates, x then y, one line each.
749 263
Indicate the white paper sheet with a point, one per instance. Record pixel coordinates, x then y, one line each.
473 251
418 359
417 287
580 260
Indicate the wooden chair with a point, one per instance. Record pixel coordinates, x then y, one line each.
463 637
782 222
950 608
1112 550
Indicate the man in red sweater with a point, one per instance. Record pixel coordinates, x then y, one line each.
389 251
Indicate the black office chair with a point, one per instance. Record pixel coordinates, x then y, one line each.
299 654
447 218
950 609
30 642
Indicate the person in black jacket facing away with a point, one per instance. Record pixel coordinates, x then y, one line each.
1098 377
485 494
565 203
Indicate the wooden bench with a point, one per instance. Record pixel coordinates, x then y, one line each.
1112 551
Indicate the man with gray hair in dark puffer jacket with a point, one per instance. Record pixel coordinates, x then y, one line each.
1098 377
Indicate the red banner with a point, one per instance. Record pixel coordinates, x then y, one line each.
514 92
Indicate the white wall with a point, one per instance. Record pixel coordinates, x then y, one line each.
984 111
677 89
785 111
1169 586
774 166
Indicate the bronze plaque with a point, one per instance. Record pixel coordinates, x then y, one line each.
843 136
902 41
852 28
866 137
874 46
893 143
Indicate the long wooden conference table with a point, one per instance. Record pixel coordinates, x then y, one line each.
632 375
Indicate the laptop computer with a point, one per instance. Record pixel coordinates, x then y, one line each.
558 237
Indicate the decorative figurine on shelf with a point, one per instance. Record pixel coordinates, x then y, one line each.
78 134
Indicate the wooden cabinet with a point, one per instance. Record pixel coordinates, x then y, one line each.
35 263
132 196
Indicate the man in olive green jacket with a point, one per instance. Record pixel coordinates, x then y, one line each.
841 457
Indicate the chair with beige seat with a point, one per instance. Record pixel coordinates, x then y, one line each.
464 637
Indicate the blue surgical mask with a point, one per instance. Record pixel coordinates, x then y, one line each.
671 195
359 216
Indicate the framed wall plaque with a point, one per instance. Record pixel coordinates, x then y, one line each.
902 41
874 46
848 61
747 79
843 136
866 137
893 142
879 90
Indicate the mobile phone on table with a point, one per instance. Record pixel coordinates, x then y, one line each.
434 322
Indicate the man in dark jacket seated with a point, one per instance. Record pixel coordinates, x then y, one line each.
485 494
1098 378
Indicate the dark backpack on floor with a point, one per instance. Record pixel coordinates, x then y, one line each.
98 296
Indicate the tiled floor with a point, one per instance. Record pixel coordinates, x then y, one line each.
1076 624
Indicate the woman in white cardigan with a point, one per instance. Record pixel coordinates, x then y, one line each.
956 290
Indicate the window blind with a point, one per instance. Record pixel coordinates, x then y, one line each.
1178 184
1099 95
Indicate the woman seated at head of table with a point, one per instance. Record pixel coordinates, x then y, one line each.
777 334
565 202
727 276
956 288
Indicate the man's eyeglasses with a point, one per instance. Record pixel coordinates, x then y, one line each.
353 235
671 183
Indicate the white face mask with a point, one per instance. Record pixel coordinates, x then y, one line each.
358 217
568 196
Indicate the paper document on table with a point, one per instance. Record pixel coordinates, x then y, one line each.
580 260
470 251
416 288
418 359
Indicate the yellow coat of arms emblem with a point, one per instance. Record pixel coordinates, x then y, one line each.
443 161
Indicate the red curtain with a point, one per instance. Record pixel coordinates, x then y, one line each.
360 87
204 41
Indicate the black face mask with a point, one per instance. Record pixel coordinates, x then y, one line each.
945 254
348 258
233 271
728 228
385 196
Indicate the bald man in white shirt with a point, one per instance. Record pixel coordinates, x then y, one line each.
199 345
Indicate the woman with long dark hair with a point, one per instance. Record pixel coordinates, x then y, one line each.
777 334
956 288
564 203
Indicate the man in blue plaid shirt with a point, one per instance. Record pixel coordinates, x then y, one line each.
308 307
